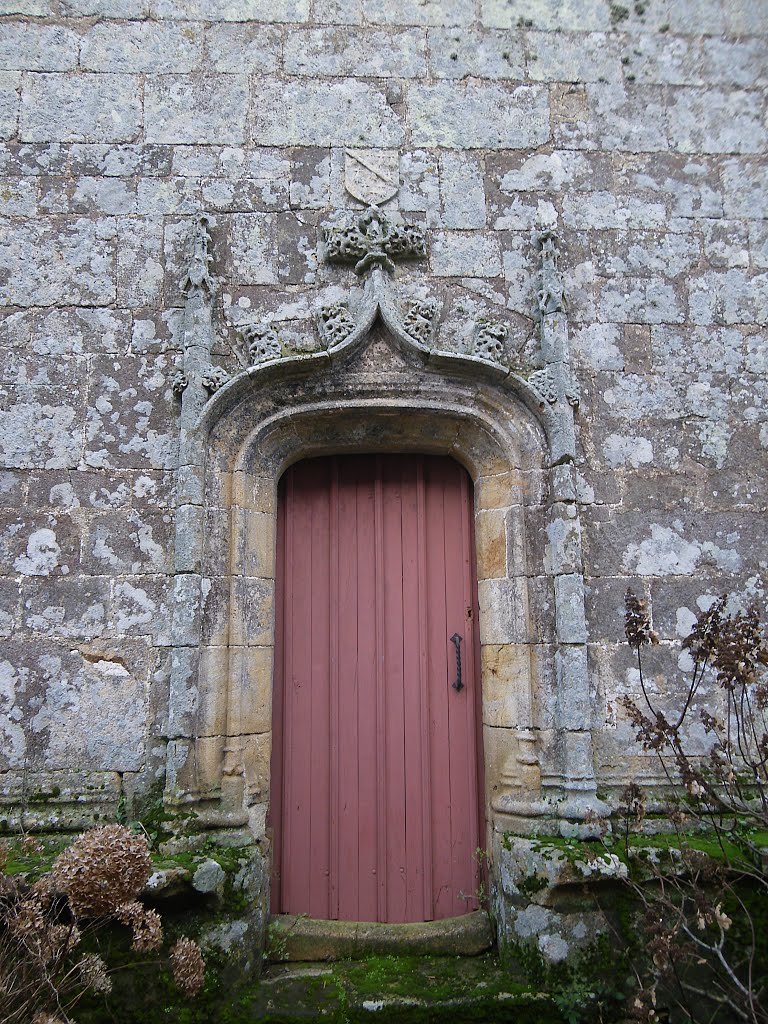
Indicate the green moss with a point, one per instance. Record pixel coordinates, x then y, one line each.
532 884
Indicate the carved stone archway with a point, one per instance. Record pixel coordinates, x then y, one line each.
379 386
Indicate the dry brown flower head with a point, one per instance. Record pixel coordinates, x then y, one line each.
104 868
188 966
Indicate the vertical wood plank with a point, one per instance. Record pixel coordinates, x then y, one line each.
349 703
277 776
368 749
335 703
395 809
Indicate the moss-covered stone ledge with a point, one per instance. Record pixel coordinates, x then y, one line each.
547 894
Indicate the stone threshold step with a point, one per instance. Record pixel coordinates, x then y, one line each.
294 937
399 990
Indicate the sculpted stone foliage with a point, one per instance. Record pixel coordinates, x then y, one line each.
335 323
551 384
178 381
419 320
374 240
262 342
489 340
214 377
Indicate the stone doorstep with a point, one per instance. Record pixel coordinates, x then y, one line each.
293 938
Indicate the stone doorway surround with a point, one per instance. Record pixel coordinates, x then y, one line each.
376 384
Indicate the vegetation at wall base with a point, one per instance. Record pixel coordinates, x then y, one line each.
704 906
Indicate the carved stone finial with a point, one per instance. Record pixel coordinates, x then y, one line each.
197 277
551 296
335 323
373 240
489 340
213 378
262 341
419 320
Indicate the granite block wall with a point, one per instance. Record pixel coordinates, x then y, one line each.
637 131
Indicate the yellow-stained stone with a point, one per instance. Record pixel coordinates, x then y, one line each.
212 691
505 672
251 689
491 541
257 753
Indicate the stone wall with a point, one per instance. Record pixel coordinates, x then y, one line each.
638 132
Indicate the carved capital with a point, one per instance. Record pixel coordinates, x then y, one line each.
374 240
197 278
262 341
551 295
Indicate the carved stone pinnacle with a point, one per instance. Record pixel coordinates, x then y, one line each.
551 296
197 277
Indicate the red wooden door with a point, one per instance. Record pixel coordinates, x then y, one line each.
374 798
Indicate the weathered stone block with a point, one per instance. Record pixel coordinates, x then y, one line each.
462 191
142 47
105 8
491 55
82 273
562 551
491 544
570 619
640 300
252 612
745 188
336 52
418 12
142 607
609 117
254 543
243 48
577 57
460 254
710 121
85 713
232 10
506 672
572 686
731 297
346 113
252 246
80 108
250 671
478 116
504 614
73 608
257 754
185 109
30 47
708 17
211 704
553 15
10 87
